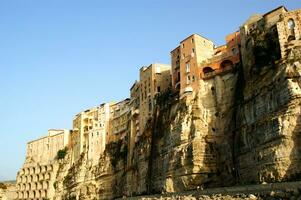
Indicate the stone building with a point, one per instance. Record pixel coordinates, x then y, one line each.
289 31
97 133
197 58
134 132
185 60
257 34
119 120
154 79
35 179
224 59
89 132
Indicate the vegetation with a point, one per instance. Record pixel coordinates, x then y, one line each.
117 151
55 185
61 154
3 186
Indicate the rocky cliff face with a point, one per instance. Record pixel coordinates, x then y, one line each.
232 131
179 150
241 127
7 191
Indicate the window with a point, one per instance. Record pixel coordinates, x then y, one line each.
183 45
158 89
177 64
192 40
291 24
187 67
192 50
188 79
234 51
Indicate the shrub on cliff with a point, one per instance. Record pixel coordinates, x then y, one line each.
61 154
3 186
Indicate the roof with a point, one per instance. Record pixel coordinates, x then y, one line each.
175 49
136 82
278 8
197 35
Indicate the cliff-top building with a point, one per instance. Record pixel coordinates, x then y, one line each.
154 80
185 60
89 134
197 58
35 179
119 120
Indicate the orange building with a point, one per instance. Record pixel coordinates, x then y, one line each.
197 58
185 59
224 59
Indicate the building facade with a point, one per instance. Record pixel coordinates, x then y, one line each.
185 60
224 59
154 80
35 179
119 120
90 129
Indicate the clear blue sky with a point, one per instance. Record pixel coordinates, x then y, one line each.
60 57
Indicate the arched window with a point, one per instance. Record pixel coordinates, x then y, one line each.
207 70
291 24
226 63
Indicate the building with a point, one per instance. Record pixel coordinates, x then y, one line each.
197 58
119 120
278 29
134 132
289 31
35 179
224 59
89 132
185 60
97 134
154 79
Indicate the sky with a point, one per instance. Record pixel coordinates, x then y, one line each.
58 58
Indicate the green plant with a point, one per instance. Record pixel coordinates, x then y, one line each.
61 154
55 185
3 186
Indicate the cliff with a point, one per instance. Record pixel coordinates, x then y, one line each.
241 126
231 132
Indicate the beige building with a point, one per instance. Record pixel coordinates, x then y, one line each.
44 150
289 31
89 132
185 60
119 120
154 79
35 179
278 23
134 132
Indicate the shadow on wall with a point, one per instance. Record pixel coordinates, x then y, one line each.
293 173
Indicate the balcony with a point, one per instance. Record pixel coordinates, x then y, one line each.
221 71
